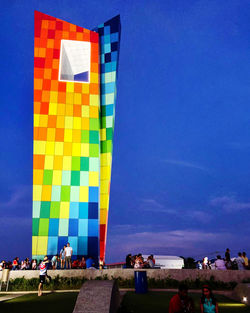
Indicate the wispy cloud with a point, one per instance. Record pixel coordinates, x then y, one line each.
19 197
229 204
186 164
152 205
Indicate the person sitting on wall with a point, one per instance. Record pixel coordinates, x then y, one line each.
181 302
90 263
129 263
82 263
245 258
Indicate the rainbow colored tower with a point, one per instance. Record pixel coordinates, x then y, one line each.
75 74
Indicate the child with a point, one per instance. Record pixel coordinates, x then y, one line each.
43 273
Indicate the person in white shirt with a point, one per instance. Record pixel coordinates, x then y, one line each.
220 264
68 254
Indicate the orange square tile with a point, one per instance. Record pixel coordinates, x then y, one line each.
37 107
59 134
61 97
52 24
54 85
79 36
55 64
54 74
46 84
49 53
46 193
66 26
38 161
50 43
93 112
38 72
77 87
48 62
72 35
38 83
58 34
94 89
45 96
62 86
45 24
57 44
37 42
47 73
77 110
43 42
42 52
86 36
85 99
37 95
72 27
36 52
44 33
36 133
65 35
52 121
76 135
94 67
42 133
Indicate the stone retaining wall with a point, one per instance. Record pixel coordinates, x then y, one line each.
182 274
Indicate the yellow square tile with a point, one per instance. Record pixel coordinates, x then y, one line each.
37 177
36 120
53 96
67 163
68 122
104 201
39 147
77 123
61 109
42 244
93 179
94 100
85 111
69 109
57 178
70 98
37 192
104 186
58 162
105 172
67 148
60 121
103 134
68 135
84 149
76 149
34 245
70 87
94 78
46 193
51 134
85 88
84 194
52 108
77 98
76 137
43 120
50 148
103 216
49 160
58 148
64 210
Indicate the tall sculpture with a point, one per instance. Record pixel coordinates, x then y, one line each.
75 74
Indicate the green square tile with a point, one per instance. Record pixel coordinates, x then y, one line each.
65 193
75 178
55 210
103 110
85 136
94 150
109 145
35 226
75 164
47 177
84 164
103 146
94 124
94 136
103 122
45 209
43 227
109 133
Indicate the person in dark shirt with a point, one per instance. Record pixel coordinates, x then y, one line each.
129 261
181 302
228 262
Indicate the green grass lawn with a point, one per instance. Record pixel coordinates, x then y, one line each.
158 302
48 303
153 302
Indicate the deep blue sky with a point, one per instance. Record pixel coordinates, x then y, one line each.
181 161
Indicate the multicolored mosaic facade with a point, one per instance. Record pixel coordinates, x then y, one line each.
75 72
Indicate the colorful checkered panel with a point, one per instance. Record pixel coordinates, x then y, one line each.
109 38
69 198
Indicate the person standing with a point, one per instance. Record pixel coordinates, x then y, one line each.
208 302
228 262
43 273
62 257
240 261
220 264
68 255
181 302
245 258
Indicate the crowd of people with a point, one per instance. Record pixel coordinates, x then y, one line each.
226 263
63 260
137 261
